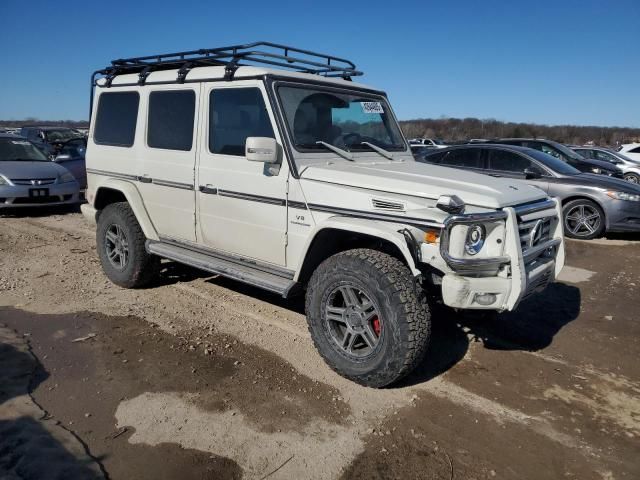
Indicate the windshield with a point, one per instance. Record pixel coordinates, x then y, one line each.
344 120
63 135
15 149
553 163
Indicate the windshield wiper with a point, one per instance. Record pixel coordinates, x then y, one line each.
380 150
339 151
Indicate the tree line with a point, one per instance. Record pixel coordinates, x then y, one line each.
459 130
464 129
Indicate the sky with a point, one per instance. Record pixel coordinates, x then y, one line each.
547 62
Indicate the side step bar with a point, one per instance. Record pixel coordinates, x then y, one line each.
214 264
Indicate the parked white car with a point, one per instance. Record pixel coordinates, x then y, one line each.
631 150
299 180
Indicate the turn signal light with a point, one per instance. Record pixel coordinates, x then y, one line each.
431 236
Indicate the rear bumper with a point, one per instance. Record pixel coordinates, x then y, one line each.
17 196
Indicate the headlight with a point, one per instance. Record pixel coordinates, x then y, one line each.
476 236
630 197
3 181
67 177
596 170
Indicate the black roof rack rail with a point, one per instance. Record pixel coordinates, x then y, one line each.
232 57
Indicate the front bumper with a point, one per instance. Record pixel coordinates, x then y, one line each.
519 273
623 216
18 196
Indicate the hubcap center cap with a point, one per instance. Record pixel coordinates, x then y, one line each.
354 317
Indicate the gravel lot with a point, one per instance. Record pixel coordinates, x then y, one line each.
202 377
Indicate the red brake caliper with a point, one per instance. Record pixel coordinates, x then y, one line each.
377 326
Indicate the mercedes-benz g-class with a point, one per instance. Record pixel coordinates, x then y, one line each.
269 165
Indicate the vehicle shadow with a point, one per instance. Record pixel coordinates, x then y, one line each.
531 327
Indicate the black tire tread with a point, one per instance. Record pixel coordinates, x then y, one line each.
145 265
407 295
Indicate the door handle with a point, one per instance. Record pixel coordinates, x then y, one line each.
145 179
208 189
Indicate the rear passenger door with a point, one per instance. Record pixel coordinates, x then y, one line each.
241 204
168 166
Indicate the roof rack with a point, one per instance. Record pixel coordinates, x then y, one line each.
258 53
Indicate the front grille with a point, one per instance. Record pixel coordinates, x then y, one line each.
36 182
536 222
37 200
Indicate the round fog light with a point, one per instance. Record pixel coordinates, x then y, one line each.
485 299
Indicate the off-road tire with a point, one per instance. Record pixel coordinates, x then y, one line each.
401 302
141 268
567 209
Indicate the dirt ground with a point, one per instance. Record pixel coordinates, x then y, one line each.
201 377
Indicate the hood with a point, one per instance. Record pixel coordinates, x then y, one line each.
426 181
601 181
31 170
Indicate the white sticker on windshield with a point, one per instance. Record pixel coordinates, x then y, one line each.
372 107
19 142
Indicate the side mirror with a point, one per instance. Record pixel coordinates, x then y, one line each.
261 149
531 174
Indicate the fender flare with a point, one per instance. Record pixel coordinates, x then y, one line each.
131 193
382 230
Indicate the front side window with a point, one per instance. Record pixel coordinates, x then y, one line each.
635 150
62 135
344 120
607 157
171 115
234 115
471 158
116 119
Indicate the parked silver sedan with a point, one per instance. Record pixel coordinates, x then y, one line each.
29 178
630 167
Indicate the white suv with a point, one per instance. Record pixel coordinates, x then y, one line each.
298 180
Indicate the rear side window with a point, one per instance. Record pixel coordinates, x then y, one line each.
116 119
635 150
471 158
234 115
504 161
171 116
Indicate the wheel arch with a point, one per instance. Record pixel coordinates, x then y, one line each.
341 233
115 190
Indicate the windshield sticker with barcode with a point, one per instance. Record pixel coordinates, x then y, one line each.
19 142
372 107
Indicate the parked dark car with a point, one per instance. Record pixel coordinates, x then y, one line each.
72 157
49 139
565 154
592 204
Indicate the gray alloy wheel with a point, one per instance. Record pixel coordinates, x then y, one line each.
352 321
116 246
632 178
583 219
